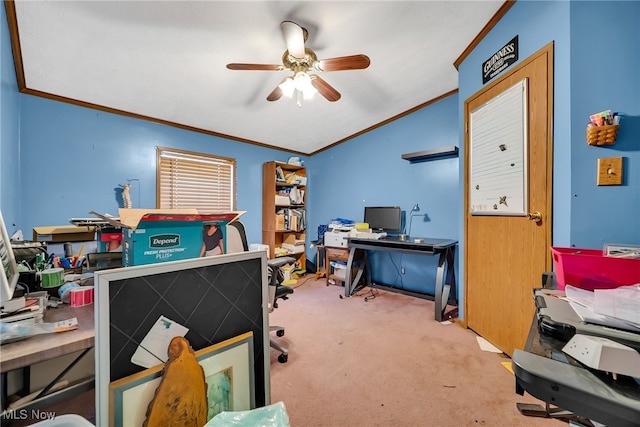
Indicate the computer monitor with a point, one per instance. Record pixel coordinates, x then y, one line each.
9 276
383 218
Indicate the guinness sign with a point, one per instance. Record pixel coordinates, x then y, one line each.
500 60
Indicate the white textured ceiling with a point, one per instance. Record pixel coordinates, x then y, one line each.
166 60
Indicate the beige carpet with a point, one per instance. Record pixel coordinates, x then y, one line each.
386 362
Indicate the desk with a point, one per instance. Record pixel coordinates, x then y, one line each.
39 348
445 286
571 387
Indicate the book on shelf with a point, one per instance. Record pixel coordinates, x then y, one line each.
293 219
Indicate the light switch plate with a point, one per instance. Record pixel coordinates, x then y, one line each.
610 171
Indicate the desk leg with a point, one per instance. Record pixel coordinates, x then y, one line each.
350 285
321 270
445 288
347 279
62 374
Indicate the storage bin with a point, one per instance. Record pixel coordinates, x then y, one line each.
590 269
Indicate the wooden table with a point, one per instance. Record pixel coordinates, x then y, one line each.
22 354
334 254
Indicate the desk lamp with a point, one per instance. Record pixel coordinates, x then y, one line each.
415 208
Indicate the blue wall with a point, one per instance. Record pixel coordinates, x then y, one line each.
605 214
591 40
60 161
77 157
369 171
9 130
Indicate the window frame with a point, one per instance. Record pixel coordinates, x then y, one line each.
162 154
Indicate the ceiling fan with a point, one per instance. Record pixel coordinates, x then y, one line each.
301 61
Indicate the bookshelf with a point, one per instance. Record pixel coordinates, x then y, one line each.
284 195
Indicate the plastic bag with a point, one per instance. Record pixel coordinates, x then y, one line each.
274 415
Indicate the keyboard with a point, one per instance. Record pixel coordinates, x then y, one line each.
367 235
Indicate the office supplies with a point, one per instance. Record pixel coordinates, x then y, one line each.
368 235
542 370
52 277
604 354
584 302
557 319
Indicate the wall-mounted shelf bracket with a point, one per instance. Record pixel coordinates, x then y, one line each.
435 154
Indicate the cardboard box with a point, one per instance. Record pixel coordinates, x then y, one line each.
109 239
156 235
64 233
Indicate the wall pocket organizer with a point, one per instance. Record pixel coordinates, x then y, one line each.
602 135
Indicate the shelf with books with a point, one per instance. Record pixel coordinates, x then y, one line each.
284 211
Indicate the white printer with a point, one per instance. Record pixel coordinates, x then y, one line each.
337 236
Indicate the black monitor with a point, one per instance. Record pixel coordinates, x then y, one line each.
383 218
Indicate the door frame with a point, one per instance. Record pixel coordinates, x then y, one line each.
548 222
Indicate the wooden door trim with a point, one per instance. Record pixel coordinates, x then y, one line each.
548 51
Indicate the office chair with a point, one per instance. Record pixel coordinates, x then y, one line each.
236 238
237 242
278 291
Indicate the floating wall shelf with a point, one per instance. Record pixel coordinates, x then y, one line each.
435 154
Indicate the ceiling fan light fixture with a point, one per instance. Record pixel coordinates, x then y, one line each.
302 81
288 87
309 92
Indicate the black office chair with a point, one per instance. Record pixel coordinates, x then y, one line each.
278 291
237 242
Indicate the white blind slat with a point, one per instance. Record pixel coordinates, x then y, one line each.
194 180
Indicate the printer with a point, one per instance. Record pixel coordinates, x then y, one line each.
337 236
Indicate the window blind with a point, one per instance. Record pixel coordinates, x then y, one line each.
194 180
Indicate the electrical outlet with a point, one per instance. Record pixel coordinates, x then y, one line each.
401 270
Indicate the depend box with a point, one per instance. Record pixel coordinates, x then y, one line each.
151 236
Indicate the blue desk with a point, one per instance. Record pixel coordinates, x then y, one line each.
445 286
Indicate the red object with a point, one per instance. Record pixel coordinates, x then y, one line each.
110 237
589 269
81 296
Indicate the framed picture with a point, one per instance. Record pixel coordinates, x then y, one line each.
228 371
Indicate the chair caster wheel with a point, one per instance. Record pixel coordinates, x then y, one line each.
280 332
283 358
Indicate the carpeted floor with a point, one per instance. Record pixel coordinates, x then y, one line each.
381 362
386 362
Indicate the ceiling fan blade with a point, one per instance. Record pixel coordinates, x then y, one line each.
352 62
325 89
294 38
255 67
275 94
